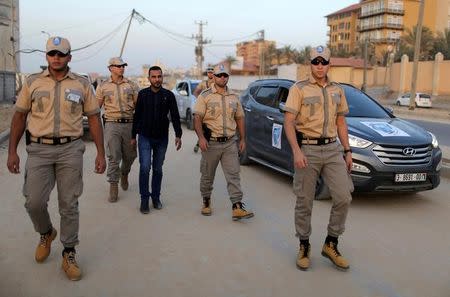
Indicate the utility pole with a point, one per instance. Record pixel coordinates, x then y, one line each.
126 34
199 48
262 65
364 85
412 98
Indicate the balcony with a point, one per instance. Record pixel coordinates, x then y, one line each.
390 40
369 27
379 11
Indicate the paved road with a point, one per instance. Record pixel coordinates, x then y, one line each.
397 245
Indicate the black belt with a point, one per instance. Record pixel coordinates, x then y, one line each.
318 141
221 139
53 140
119 120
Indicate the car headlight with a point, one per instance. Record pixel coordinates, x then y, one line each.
434 141
358 142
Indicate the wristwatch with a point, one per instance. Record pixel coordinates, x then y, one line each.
347 151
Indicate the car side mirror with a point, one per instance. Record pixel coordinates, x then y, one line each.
281 107
183 92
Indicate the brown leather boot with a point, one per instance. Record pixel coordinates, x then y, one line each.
304 254
70 266
206 209
331 252
124 182
113 192
239 212
44 246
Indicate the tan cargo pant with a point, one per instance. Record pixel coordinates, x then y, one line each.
119 151
325 160
227 154
45 165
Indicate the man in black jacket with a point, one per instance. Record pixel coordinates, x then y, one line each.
151 122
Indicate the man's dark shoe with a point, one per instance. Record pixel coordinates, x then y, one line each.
145 208
331 252
239 212
304 254
157 204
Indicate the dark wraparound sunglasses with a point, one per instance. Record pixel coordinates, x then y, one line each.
221 75
318 61
57 53
118 66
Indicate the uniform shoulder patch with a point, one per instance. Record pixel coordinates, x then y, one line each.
206 92
300 84
32 77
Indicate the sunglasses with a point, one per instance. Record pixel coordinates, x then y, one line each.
318 61
221 75
57 53
118 66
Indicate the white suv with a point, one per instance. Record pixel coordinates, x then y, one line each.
421 100
184 94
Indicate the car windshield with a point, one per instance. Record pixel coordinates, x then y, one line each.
193 86
424 96
361 105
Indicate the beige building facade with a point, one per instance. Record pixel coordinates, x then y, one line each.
343 33
9 29
253 51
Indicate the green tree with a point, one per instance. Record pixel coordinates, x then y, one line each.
442 43
301 56
408 41
287 52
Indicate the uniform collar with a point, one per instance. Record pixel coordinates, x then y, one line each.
313 81
46 73
124 80
227 90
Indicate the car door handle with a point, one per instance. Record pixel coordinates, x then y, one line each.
247 109
269 117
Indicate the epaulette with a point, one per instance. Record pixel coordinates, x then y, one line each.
300 84
32 77
206 92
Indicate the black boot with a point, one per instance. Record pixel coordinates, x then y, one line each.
144 209
157 203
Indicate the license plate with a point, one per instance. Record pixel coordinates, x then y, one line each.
410 177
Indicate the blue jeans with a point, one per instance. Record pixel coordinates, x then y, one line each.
151 154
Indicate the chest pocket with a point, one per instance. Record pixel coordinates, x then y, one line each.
213 109
38 98
75 98
107 96
310 103
128 93
232 106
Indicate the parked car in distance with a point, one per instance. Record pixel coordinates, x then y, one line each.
183 92
421 100
389 154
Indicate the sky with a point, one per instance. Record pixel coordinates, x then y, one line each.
288 22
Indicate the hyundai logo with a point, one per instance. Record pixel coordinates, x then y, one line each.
409 151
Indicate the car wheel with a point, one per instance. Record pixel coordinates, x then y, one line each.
189 120
397 103
322 192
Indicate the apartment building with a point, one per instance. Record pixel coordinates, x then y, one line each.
9 27
252 51
383 22
343 33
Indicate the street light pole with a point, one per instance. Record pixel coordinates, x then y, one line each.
412 98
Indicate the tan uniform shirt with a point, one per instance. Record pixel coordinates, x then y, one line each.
56 107
119 99
316 107
219 111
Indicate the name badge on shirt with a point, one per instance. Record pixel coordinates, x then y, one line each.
73 95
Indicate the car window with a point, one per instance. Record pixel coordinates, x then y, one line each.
425 96
284 92
361 105
253 90
267 95
194 86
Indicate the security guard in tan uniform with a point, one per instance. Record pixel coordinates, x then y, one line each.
51 105
217 114
205 84
118 95
315 116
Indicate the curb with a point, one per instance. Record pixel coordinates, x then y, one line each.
4 135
